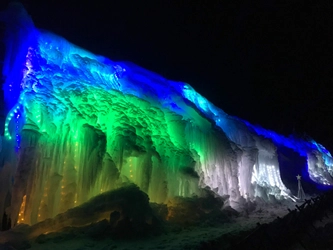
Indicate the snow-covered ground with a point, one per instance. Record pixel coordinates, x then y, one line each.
195 223
190 237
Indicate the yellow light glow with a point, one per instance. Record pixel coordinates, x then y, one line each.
22 209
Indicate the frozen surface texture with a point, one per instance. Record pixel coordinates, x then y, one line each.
80 124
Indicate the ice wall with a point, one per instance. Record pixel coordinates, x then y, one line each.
80 124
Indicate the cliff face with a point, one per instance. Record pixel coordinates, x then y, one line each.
80 124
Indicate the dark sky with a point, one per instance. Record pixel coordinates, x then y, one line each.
269 62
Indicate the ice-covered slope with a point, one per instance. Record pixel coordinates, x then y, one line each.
80 124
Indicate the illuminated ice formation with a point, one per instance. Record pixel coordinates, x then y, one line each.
80 124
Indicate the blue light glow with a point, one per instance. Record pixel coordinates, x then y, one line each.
66 61
57 92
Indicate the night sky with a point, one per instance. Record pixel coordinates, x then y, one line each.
268 62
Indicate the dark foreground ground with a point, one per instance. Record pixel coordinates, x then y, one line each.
184 224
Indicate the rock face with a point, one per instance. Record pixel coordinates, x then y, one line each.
80 124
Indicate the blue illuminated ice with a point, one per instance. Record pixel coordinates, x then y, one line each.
47 79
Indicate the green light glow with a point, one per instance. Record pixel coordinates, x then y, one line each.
86 125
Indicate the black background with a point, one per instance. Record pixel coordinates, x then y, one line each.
268 62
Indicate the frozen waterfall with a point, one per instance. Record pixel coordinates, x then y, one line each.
79 124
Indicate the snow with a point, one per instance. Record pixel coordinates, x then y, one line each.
199 236
80 125
177 238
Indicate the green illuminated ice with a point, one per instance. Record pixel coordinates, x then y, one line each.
83 124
